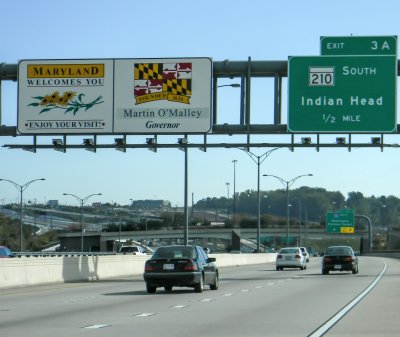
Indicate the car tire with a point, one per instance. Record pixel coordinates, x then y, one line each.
215 286
168 288
150 289
199 287
325 272
355 270
277 268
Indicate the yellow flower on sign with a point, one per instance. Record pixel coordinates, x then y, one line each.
68 101
68 95
66 98
50 99
56 99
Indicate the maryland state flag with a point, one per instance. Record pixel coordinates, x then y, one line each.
162 81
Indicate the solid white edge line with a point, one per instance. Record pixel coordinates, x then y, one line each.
331 322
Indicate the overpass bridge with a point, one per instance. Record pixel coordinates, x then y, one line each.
215 237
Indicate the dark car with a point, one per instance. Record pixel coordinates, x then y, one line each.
180 266
339 258
6 252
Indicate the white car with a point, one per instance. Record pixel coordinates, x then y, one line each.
135 250
305 253
291 257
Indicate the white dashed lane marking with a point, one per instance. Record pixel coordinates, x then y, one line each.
80 299
180 306
96 326
177 306
145 314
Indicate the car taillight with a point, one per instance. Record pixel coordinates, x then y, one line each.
279 257
298 256
190 266
148 267
348 259
327 260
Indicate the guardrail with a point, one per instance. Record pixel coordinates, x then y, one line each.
60 254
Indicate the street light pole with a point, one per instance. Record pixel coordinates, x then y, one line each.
258 160
82 202
287 184
21 189
227 209
299 222
287 213
234 188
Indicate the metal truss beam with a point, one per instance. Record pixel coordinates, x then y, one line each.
201 146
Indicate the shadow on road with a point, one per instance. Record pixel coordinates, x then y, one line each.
160 292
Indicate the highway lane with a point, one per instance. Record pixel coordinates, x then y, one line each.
252 301
378 314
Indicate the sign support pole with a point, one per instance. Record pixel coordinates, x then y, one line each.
186 213
369 229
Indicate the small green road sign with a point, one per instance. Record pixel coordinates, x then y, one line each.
342 94
341 221
359 45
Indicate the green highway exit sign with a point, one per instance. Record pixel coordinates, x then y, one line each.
342 93
359 45
341 221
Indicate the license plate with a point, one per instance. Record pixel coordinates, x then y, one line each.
168 266
338 266
288 258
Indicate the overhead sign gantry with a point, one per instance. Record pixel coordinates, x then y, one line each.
355 92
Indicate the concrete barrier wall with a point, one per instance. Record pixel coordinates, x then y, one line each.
26 271
228 260
391 254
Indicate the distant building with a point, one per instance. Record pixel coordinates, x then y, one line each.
52 203
150 204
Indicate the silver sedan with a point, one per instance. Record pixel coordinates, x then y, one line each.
291 257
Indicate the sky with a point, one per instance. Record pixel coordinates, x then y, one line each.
261 29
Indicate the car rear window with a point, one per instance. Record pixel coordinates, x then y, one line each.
338 251
174 253
129 249
289 251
